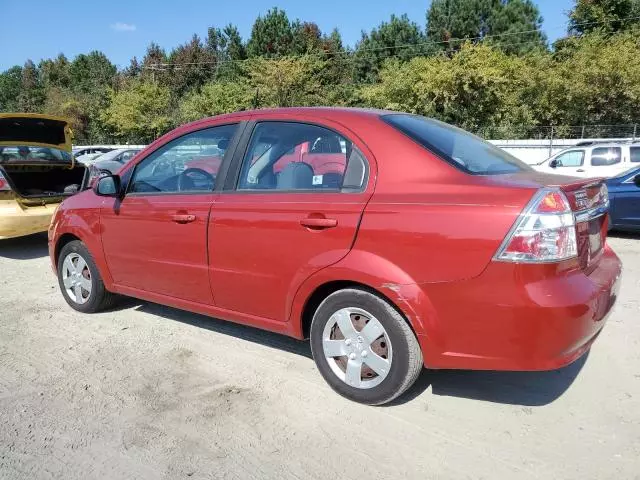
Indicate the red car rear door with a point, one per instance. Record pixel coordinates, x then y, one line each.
277 222
155 238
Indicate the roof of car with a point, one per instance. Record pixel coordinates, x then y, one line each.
336 113
598 143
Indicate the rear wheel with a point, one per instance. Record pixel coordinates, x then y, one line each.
363 347
80 282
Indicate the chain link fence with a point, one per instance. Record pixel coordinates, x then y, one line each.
629 131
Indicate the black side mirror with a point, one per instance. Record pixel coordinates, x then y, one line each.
636 180
553 163
107 186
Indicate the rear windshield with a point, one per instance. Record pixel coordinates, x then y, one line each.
30 154
458 147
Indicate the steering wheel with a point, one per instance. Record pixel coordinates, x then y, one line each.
203 174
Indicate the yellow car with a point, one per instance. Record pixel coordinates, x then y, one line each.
37 171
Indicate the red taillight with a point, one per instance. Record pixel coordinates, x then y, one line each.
553 202
4 185
545 232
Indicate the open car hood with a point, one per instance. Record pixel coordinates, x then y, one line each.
35 130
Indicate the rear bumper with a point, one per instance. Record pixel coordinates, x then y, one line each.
17 220
519 317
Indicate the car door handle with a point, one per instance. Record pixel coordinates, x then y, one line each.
183 218
319 223
580 170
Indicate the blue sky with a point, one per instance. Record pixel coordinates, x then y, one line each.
38 29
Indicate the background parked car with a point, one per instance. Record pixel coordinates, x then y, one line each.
86 154
37 171
593 159
114 160
624 194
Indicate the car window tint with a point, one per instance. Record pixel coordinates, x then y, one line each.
575 158
456 146
603 156
635 154
295 156
187 164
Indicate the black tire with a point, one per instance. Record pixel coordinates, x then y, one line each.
406 363
99 298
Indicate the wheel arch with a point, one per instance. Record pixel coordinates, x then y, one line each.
367 271
63 240
324 290
75 227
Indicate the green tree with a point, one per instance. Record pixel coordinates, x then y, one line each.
477 87
271 35
449 22
509 19
399 38
55 73
154 64
595 81
10 86
192 65
608 16
287 81
91 73
227 48
134 69
215 99
62 102
31 96
139 112
306 38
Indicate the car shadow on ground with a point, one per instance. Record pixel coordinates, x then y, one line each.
515 388
530 389
25 248
243 332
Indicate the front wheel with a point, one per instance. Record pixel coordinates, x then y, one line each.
80 281
364 348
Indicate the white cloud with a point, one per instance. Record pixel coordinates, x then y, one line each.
123 27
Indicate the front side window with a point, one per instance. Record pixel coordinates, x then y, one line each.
287 156
604 156
635 154
187 164
458 147
574 158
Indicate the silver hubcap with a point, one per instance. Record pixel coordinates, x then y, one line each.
357 348
76 278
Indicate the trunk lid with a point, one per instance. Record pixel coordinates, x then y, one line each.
36 130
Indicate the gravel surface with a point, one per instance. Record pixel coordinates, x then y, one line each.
151 392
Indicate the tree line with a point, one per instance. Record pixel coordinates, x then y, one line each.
484 65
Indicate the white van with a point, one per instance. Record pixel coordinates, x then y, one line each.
593 159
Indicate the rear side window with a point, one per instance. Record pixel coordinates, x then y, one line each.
603 156
635 154
575 158
287 156
460 148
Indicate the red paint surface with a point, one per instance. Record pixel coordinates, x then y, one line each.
422 233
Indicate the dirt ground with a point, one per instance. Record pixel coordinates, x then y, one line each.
149 392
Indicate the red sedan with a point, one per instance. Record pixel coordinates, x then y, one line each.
391 241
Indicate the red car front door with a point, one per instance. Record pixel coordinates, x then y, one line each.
155 238
158 244
267 237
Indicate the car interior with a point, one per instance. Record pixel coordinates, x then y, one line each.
176 170
305 158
